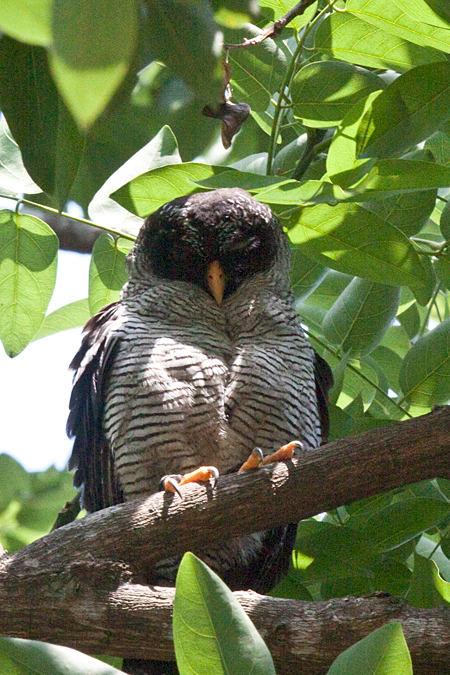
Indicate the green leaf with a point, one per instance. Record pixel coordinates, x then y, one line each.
93 43
361 315
161 151
26 21
73 315
383 652
344 36
281 7
409 212
212 633
29 657
107 272
419 10
439 145
442 269
13 175
306 275
407 112
185 37
387 15
14 480
402 521
350 239
256 72
424 377
28 259
323 92
427 588
444 222
148 192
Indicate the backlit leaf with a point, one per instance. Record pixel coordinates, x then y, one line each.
107 272
28 259
73 315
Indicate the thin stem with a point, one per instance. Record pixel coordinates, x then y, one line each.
285 86
68 215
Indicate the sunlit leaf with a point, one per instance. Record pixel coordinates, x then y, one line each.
323 92
427 588
29 657
27 21
407 112
73 315
425 374
148 192
107 272
13 175
361 315
419 10
28 259
212 633
393 19
345 36
93 43
383 652
353 240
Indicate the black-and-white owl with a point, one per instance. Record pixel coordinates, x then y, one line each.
202 360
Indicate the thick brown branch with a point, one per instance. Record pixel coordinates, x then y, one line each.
275 29
71 587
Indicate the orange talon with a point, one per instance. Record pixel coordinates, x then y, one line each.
202 474
285 452
254 460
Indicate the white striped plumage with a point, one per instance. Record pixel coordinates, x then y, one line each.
168 380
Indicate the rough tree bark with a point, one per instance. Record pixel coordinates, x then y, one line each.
79 586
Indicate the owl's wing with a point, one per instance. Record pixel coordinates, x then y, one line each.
90 454
324 381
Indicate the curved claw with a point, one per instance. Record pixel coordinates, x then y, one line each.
285 452
171 483
202 474
254 460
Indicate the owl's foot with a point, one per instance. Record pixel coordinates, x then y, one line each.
257 459
202 475
285 452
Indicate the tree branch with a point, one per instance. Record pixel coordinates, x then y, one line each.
275 29
74 586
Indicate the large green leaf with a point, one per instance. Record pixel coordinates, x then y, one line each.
306 274
38 118
345 36
323 92
148 192
407 112
361 315
161 151
393 175
26 21
92 47
383 652
408 211
425 374
427 589
28 259
439 145
185 37
29 657
419 10
13 175
14 480
389 16
212 633
73 315
107 272
351 239
256 72
402 521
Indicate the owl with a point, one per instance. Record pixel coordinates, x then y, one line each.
202 360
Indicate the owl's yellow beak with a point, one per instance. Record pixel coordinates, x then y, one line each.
215 278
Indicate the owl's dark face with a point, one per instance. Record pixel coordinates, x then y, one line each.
185 236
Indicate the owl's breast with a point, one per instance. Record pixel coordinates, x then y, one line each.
165 404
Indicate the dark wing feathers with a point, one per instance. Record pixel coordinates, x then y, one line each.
324 381
90 455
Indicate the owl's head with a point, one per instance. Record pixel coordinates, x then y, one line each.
216 240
